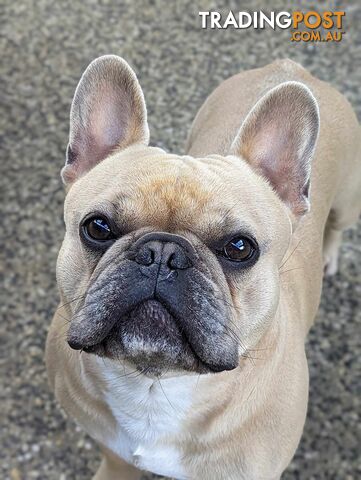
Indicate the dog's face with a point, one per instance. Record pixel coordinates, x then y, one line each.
171 262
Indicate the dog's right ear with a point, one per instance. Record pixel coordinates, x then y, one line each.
108 113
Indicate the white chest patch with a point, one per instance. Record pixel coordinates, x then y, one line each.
148 413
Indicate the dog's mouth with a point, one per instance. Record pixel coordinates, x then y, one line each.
151 338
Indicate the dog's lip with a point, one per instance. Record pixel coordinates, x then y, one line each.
211 368
101 348
89 348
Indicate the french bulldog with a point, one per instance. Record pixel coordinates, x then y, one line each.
188 283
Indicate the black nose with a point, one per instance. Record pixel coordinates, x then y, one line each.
168 251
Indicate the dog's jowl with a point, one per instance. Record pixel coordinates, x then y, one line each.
188 283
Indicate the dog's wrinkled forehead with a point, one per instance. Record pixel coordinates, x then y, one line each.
143 186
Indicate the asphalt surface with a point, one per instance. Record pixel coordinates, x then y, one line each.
45 47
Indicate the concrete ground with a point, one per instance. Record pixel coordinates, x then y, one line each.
45 47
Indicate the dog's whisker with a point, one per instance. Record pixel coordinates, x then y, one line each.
290 255
172 406
290 270
71 301
228 211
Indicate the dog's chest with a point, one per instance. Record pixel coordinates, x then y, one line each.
149 414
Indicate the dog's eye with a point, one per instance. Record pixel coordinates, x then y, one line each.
239 249
97 229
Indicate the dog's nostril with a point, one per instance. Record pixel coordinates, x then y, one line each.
178 261
171 263
145 256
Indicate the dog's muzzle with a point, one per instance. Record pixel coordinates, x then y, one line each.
155 307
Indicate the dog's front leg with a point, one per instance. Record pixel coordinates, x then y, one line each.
114 468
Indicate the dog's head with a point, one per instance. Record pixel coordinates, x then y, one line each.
172 262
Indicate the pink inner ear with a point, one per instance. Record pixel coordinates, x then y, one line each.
104 128
109 119
275 151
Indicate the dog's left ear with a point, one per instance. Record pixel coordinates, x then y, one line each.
108 113
278 139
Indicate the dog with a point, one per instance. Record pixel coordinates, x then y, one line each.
188 283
